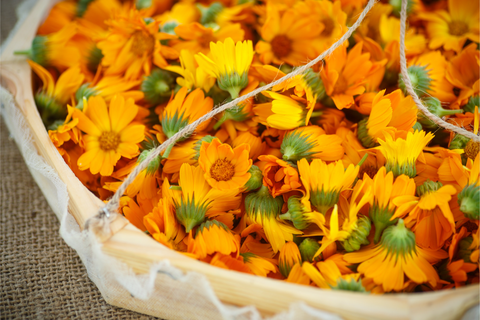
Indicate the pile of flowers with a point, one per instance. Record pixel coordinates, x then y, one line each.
331 179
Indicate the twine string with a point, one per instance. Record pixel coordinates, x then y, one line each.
113 205
408 83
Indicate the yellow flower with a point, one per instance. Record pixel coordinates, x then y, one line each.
324 182
229 63
395 257
401 154
191 75
110 133
213 236
259 266
289 256
452 29
225 168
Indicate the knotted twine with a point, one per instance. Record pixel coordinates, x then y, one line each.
103 217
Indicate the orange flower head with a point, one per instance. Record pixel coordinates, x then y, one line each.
289 256
259 266
225 168
279 176
110 133
213 236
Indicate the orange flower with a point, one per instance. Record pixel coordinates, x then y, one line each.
225 168
110 133
210 237
279 176
344 74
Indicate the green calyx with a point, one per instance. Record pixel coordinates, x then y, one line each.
314 82
469 201
218 95
190 214
472 102
381 220
398 239
349 285
295 213
169 27
154 165
419 78
94 58
362 134
158 87
443 271
359 235
208 224
308 248
82 7
256 178
84 92
427 187
262 203
209 14
458 142
397 6
171 126
323 201
247 256
233 83
434 106
50 109
417 126
296 146
38 51
408 169
143 4
198 145
464 251
236 113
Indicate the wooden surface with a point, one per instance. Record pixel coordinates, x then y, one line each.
139 251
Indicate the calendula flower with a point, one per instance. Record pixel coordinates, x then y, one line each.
259 266
131 46
198 200
263 209
279 176
324 182
229 63
197 38
311 142
213 236
53 96
230 263
395 257
390 113
54 49
225 168
257 146
301 214
344 79
401 154
451 29
289 256
385 189
288 37
183 110
284 112
191 75
456 271
185 152
430 213
110 133
469 197
298 275
463 73
66 131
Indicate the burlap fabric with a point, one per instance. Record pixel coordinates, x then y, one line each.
40 276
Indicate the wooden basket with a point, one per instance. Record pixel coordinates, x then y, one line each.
139 251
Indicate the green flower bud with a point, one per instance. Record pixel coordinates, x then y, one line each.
308 248
427 187
158 87
295 213
459 142
143 4
256 178
434 106
359 235
50 109
209 14
419 78
349 285
472 102
169 27
190 214
381 220
417 126
362 134
84 92
464 250
469 201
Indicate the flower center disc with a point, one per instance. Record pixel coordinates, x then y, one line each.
471 149
222 170
457 28
109 141
142 43
281 46
329 25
